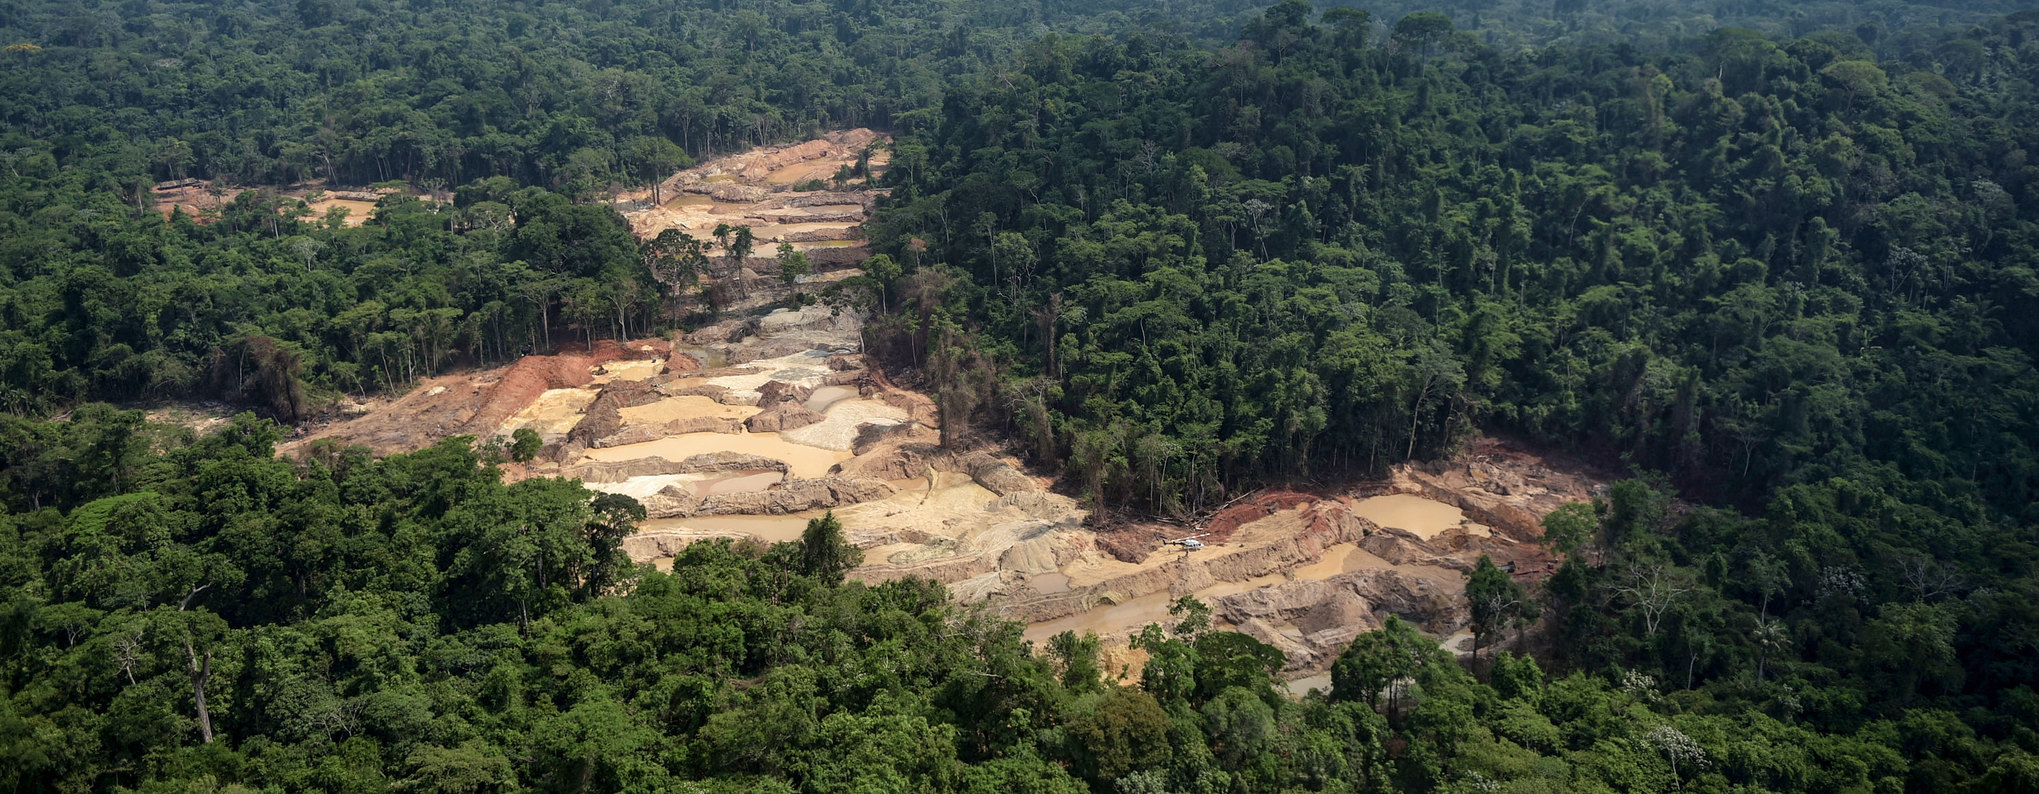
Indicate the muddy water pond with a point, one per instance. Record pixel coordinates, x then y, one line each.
1302 686
684 407
806 462
1342 558
838 430
770 529
700 485
955 497
826 396
644 486
1136 613
774 231
1410 512
1110 619
834 209
1050 583
1222 589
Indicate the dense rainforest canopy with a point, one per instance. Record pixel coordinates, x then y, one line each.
1172 250
1743 263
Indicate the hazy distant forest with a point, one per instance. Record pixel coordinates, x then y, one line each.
1776 260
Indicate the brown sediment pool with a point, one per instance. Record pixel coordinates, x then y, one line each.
805 462
1425 517
1049 583
1342 558
1222 589
770 529
826 396
683 407
1302 686
1119 618
838 428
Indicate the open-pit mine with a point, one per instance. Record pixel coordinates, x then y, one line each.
752 425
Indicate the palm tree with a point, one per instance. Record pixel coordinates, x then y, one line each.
1769 637
740 249
742 245
722 232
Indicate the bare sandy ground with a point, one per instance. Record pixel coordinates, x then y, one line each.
197 196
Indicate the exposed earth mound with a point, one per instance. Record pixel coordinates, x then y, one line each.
480 403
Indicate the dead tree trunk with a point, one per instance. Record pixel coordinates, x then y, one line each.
201 672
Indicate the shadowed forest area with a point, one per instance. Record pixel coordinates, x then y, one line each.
1773 261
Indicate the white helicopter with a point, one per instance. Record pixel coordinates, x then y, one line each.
1189 543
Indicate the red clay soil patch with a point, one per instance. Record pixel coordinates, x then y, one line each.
476 402
1321 518
532 376
1135 541
1254 508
